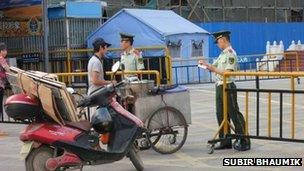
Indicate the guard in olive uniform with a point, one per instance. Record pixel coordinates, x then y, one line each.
227 61
131 58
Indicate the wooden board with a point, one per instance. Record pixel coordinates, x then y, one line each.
47 103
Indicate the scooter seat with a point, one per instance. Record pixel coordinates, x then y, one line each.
83 125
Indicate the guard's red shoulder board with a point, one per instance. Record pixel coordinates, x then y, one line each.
136 52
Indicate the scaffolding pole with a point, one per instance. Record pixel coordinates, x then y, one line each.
45 26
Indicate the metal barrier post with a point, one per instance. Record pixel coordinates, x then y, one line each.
257 84
169 66
188 79
281 115
176 76
160 66
246 113
225 107
292 107
199 75
69 65
269 114
148 66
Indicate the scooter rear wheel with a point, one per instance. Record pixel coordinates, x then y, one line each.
36 160
136 159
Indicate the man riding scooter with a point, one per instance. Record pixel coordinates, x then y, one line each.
96 67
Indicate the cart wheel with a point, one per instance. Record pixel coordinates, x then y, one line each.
172 139
154 137
167 130
144 144
210 148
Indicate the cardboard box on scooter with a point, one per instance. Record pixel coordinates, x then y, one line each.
39 84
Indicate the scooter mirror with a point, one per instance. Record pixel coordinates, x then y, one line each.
116 67
70 90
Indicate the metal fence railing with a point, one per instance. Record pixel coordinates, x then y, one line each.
76 60
244 66
73 76
187 72
268 115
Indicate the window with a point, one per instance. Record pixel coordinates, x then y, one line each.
141 2
175 48
176 2
297 15
197 48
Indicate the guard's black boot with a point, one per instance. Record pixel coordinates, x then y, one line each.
242 144
223 146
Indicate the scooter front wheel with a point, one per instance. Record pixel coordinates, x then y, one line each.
36 160
136 159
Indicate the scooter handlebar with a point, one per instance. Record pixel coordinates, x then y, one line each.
120 84
100 92
84 103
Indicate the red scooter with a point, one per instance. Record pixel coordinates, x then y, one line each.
49 146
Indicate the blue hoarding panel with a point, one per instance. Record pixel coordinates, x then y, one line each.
251 38
84 9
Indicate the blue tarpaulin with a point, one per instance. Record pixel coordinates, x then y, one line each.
18 3
155 28
151 28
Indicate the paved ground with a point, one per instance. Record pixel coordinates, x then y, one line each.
193 156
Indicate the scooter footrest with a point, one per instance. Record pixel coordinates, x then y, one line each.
67 159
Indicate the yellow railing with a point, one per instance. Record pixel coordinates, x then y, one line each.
169 65
68 76
292 75
70 52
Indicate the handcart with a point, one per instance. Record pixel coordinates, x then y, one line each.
166 113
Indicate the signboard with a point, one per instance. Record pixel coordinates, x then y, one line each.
4 4
20 28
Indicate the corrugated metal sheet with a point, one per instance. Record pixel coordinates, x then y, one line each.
251 38
80 29
57 36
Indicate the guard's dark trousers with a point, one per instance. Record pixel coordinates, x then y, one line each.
233 111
